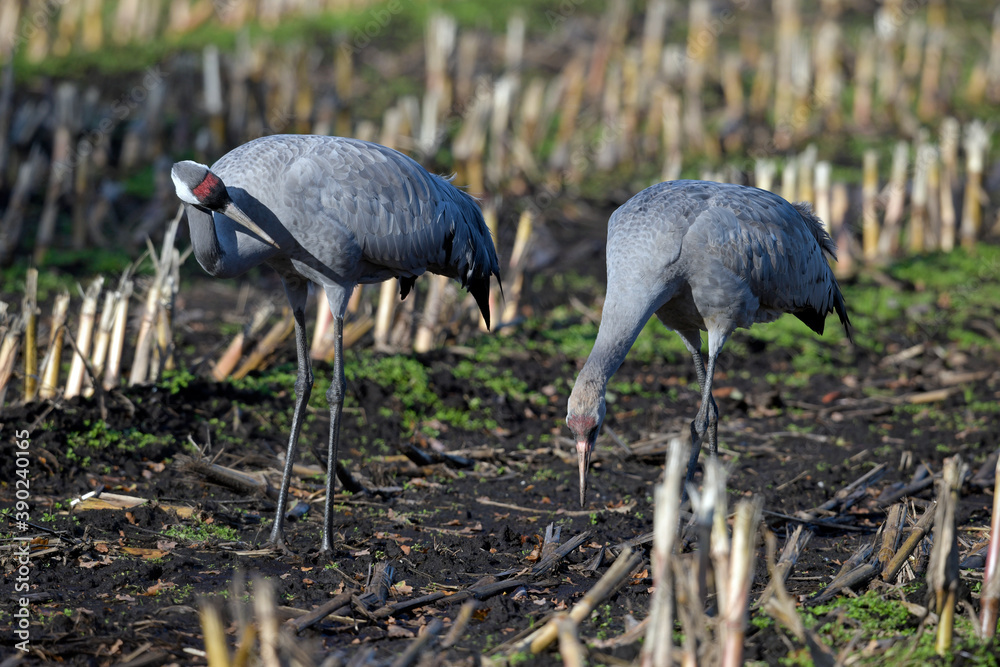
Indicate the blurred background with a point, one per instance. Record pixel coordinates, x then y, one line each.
553 114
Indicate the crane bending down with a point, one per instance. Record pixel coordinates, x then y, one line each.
337 212
709 257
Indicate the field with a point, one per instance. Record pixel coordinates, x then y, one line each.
448 549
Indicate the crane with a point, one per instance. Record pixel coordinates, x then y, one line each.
701 256
337 212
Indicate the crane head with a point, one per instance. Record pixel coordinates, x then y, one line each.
198 186
584 420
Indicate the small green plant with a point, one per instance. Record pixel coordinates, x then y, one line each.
201 531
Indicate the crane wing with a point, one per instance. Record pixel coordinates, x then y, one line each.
779 248
366 212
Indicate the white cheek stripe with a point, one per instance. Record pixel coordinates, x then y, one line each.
183 191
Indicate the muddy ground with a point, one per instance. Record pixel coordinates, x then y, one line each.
113 586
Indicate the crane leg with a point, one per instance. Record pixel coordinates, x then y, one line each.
692 340
707 420
335 397
297 294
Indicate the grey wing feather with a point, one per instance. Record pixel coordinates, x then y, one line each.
334 194
781 249
776 247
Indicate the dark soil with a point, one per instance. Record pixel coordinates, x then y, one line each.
98 599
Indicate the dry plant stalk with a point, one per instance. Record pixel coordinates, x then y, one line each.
733 608
942 572
763 173
387 303
143 343
267 345
216 650
573 84
789 179
116 345
429 321
949 180
918 533
888 242
323 318
977 140
53 357
8 354
460 624
30 307
780 605
891 531
490 217
918 198
569 644
542 638
227 362
869 212
84 337
822 207
267 624
103 340
517 259
789 556
806 178
839 204
659 637
163 353
715 484
989 598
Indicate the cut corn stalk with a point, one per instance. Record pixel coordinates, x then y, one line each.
84 337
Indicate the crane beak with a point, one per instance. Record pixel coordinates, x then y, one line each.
583 449
233 212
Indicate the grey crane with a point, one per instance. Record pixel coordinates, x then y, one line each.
337 212
709 257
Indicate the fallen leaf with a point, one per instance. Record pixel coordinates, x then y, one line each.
101 547
117 646
405 549
454 522
124 598
402 588
830 397
308 582
145 553
159 587
91 564
399 632
166 545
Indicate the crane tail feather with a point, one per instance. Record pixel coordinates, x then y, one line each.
841 309
479 288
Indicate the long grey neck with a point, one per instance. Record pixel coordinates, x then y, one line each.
620 325
204 239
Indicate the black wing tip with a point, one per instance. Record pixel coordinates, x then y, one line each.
405 285
816 320
479 288
841 308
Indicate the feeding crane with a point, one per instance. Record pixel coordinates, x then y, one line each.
701 256
337 212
